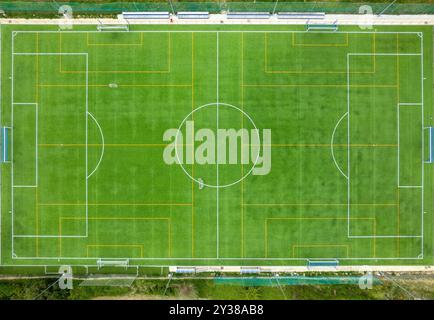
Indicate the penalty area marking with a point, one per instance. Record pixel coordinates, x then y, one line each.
103 145
332 143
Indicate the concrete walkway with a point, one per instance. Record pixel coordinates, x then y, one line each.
340 19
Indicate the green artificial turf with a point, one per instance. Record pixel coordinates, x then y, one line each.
86 112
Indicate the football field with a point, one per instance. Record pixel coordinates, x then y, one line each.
112 151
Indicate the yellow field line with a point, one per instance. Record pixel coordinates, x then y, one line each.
325 145
125 145
321 218
88 43
320 44
317 204
294 246
113 218
169 55
322 85
308 71
115 204
132 145
308 218
115 44
119 218
140 246
116 71
119 85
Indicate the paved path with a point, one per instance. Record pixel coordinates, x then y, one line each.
340 19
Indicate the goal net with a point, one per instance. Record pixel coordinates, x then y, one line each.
113 27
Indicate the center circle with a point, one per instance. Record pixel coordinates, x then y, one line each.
217 105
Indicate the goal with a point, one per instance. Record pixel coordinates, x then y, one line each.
112 27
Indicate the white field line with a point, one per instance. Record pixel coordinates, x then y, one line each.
409 187
12 167
235 259
383 236
4 148
422 156
399 147
12 145
405 105
36 146
383 54
205 259
25 186
222 31
217 165
332 142
423 143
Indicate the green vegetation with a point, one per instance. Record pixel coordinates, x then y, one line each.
189 1
421 288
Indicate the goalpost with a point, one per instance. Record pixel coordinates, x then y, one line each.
113 263
5 154
430 145
321 27
113 27
322 263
